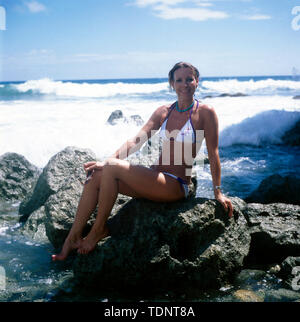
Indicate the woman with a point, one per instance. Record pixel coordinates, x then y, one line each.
165 181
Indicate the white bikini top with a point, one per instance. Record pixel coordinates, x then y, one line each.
186 134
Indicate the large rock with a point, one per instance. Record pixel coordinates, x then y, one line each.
17 177
63 170
277 188
292 136
189 243
60 210
290 272
275 232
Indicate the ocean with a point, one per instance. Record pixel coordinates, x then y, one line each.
39 118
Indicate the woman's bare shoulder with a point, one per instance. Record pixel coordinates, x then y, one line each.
206 110
163 110
160 114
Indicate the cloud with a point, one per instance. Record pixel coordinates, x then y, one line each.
256 17
195 14
145 3
35 6
195 10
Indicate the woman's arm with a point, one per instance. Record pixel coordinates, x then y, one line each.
211 131
134 144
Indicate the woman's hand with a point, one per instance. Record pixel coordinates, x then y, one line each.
226 203
93 165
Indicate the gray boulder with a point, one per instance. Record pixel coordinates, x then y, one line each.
290 272
189 243
277 188
297 97
64 169
115 116
34 227
136 119
275 232
17 177
118 116
232 95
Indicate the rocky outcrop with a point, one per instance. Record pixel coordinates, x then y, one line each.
185 244
297 97
63 171
290 272
226 95
277 188
17 177
191 243
292 136
275 232
117 116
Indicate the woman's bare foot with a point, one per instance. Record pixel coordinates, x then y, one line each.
89 243
71 243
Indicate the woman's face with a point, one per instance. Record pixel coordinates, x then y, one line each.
184 83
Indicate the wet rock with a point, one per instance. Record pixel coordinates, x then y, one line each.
191 243
281 295
17 177
277 188
249 277
297 97
247 296
136 119
290 272
275 232
184 244
274 269
292 136
34 228
232 95
118 116
226 95
115 116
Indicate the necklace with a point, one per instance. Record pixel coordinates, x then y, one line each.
186 109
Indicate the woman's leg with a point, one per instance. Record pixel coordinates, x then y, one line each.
121 176
86 206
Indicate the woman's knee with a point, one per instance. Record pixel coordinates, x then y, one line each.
111 162
96 178
112 165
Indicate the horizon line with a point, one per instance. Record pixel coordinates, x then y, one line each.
140 78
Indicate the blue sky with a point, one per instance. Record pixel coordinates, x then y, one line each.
104 39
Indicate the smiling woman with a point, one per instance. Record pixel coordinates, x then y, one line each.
168 179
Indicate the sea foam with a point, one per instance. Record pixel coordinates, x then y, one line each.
72 89
267 127
251 87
